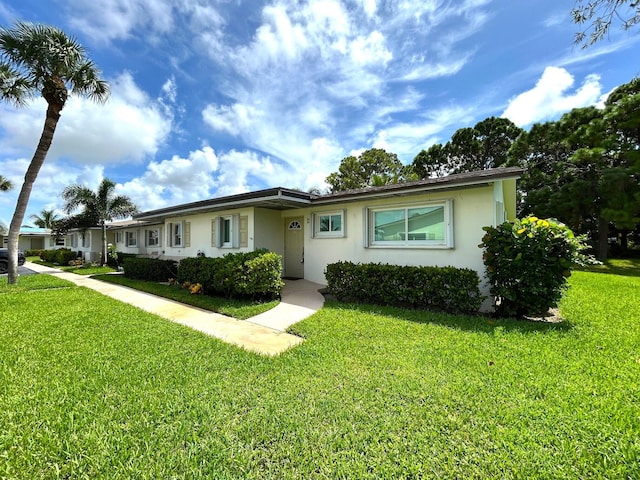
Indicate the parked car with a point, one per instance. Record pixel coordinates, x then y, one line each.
4 259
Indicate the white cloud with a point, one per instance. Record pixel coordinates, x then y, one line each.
551 97
235 119
127 128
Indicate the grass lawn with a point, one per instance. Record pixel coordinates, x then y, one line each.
240 309
87 269
91 388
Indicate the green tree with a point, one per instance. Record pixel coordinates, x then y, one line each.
484 146
97 208
584 169
373 167
597 16
5 184
42 60
46 219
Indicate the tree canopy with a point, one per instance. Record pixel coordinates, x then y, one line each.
584 169
5 184
46 219
42 60
481 147
373 167
96 208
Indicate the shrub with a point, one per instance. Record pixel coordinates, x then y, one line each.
150 269
439 288
255 274
33 253
528 262
61 256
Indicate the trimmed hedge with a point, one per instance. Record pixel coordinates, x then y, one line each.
34 253
150 269
119 258
61 256
439 288
255 274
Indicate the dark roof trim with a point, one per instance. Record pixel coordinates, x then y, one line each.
283 198
460 180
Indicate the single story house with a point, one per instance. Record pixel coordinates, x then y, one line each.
35 238
436 221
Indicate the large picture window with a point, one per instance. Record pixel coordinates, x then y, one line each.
329 224
418 226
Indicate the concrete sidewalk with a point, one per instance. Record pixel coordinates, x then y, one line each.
264 333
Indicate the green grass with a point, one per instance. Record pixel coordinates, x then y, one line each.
92 388
33 282
87 269
618 266
240 309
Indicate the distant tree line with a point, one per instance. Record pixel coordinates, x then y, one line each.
583 169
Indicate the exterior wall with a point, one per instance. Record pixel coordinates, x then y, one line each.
472 210
199 238
141 247
269 229
92 250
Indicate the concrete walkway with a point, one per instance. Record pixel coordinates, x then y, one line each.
264 333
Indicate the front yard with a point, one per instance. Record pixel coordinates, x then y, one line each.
93 388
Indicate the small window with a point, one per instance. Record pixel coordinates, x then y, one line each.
176 234
132 239
60 242
419 226
152 237
74 240
330 224
86 240
226 231
119 237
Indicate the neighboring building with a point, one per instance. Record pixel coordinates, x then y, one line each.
34 238
427 222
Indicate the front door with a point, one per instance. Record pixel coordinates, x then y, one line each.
294 247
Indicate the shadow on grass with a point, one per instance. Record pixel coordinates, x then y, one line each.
474 323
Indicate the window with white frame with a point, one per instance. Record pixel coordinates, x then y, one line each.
74 240
328 224
86 239
60 242
427 225
132 239
152 237
119 237
226 231
176 234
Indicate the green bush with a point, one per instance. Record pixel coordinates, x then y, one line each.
60 256
439 288
33 253
255 274
528 262
117 259
150 269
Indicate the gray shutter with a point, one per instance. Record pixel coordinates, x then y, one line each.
169 232
243 231
235 234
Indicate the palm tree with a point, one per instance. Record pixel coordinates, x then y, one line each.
101 206
46 219
5 184
41 60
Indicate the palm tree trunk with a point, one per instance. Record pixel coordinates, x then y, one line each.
50 123
103 258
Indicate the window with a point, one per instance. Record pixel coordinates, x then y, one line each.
175 234
132 239
74 240
226 231
60 242
412 226
152 237
86 240
330 224
119 237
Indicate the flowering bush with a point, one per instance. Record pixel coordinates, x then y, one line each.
528 262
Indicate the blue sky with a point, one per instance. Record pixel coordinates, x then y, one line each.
212 98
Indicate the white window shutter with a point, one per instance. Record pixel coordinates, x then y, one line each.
243 231
235 234
187 234
365 227
214 242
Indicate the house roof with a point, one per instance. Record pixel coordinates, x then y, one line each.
284 199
